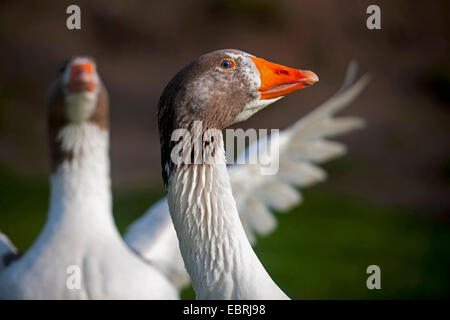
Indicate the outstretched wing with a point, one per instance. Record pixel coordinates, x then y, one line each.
301 148
8 251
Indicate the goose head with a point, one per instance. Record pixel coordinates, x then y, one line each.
77 97
228 86
221 88
79 85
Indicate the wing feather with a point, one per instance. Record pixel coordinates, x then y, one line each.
302 147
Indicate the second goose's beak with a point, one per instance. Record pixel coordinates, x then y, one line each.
278 80
82 77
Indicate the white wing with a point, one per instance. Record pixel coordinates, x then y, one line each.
154 238
301 147
7 250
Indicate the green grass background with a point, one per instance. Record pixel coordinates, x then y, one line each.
320 249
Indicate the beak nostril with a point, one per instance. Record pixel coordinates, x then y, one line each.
285 72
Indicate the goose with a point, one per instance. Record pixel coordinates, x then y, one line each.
217 89
302 148
79 233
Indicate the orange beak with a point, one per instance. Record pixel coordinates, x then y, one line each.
278 80
82 77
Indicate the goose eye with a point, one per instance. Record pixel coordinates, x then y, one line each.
227 63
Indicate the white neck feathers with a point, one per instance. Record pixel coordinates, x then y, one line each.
80 185
216 252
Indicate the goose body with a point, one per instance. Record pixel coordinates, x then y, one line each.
80 232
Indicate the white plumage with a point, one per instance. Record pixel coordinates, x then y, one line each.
80 232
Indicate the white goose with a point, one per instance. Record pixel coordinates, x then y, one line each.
218 89
80 230
301 147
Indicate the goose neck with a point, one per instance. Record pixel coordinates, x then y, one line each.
215 249
80 182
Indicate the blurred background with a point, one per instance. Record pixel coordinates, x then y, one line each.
386 203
